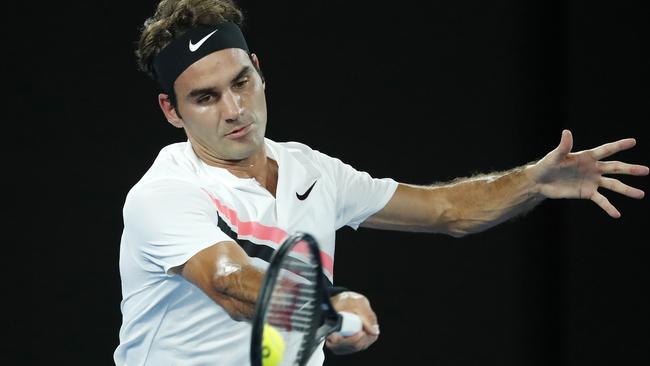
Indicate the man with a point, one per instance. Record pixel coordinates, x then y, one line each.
202 223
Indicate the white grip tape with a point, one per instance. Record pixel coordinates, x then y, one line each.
350 324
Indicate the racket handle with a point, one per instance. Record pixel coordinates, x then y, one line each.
350 324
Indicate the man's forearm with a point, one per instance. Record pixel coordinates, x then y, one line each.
224 272
460 207
477 203
237 293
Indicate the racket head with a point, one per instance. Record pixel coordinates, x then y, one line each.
290 300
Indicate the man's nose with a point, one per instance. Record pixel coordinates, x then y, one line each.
232 105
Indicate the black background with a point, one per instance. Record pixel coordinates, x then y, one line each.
421 92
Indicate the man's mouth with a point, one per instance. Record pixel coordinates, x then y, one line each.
239 132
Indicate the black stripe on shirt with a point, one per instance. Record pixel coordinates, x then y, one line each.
255 250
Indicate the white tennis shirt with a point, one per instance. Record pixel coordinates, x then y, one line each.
182 206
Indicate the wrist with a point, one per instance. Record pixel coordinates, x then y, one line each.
531 175
335 290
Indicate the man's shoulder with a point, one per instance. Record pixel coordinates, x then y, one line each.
171 167
172 162
299 150
291 146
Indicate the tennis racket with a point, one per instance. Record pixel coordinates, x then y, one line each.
293 300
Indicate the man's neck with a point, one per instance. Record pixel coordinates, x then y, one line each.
258 166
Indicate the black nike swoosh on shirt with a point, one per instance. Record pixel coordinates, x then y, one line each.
303 196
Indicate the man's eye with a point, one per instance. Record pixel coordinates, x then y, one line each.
242 83
204 98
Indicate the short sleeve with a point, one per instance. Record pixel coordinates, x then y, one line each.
358 194
169 221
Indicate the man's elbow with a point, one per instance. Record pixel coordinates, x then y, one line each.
450 222
236 309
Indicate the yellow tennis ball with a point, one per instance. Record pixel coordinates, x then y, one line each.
272 346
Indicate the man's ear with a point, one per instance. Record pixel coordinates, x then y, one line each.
169 111
256 63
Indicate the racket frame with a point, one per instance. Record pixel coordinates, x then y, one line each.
316 334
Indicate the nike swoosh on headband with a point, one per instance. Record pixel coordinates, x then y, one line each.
194 47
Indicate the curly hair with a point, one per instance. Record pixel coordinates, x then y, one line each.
173 18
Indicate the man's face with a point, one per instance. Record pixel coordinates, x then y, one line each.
222 105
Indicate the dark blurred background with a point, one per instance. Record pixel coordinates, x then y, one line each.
421 92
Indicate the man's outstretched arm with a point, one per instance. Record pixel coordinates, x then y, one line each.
471 205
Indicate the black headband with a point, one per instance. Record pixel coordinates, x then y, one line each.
192 46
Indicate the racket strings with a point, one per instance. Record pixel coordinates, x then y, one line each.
293 306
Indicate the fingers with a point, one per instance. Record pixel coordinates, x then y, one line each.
620 187
617 167
345 345
369 321
566 144
601 201
372 329
611 148
336 338
357 304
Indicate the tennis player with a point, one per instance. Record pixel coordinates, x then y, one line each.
202 223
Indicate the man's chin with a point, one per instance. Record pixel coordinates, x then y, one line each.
241 151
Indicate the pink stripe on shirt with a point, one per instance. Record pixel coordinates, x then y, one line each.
264 232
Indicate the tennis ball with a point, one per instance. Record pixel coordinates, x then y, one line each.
272 346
